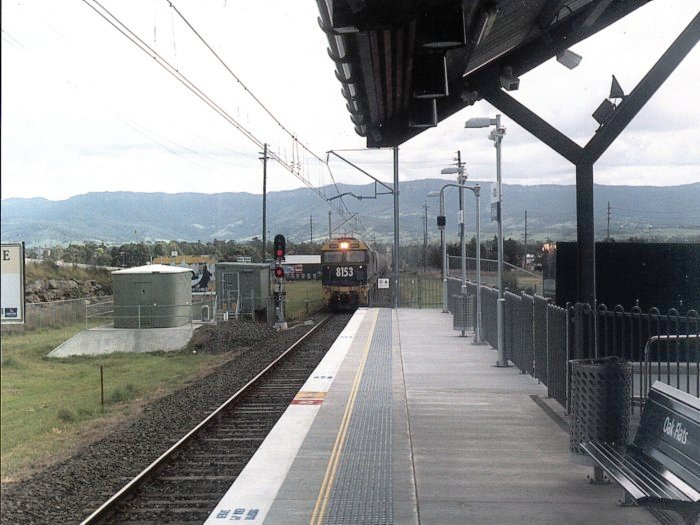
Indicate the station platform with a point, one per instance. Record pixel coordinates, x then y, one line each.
406 422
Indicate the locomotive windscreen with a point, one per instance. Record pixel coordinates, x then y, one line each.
344 268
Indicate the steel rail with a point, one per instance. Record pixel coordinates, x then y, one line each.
131 486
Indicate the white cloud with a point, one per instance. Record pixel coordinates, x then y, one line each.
84 110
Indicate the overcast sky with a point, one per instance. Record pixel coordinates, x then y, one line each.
84 110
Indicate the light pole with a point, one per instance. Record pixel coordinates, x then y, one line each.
461 178
425 236
496 135
441 224
442 238
443 246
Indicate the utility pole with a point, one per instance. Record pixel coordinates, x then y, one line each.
264 213
525 258
425 238
461 179
330 231
609 214
311 226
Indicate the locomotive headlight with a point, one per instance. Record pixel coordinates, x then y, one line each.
344 246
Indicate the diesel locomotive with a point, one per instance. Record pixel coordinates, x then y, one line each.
348 269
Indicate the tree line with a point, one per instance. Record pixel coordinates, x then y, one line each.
140 253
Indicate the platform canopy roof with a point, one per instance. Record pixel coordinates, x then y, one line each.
406 65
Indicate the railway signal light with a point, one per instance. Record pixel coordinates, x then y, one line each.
279 247
279 272
441 222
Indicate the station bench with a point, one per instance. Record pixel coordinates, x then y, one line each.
661 468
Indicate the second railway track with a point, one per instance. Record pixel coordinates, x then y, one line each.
187 481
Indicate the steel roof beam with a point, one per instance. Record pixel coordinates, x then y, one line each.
640 95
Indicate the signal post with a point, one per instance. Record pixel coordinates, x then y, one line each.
279 293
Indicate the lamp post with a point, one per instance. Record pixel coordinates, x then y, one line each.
461 178
441 224
442 237
425 236
496 135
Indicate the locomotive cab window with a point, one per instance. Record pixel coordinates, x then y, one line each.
355 256
333 257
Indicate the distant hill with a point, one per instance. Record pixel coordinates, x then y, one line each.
119 217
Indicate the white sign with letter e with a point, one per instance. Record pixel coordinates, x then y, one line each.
12 283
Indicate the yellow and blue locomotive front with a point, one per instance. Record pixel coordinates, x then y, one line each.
345 264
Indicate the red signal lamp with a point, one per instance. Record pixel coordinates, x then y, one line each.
279 272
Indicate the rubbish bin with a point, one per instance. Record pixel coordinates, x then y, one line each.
463 312
601 392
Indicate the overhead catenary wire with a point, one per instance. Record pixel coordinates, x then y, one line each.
295 141
136 40
256 99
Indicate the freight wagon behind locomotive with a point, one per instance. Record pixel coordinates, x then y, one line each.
349 267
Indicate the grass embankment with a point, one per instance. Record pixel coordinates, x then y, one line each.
50 406
48 270
298 293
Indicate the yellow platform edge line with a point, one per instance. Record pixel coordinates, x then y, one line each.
329 478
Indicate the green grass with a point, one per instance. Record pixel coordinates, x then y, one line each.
50 405
50 270
298 292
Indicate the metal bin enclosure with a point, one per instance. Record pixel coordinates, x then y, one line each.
600 406
463 313
152 296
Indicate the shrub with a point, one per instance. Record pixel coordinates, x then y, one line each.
118 395
66 415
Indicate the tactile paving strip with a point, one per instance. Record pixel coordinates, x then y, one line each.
363 484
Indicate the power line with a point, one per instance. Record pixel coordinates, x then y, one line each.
136 40
256 99
297 141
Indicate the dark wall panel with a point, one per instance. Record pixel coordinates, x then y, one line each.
665 275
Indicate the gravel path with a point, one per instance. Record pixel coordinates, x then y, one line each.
67 492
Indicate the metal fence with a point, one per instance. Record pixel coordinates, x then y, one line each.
100 311
55 314
419 291
513 276
541 338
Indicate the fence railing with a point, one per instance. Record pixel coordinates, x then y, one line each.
514 277
54 314
101 311
541 338
418 291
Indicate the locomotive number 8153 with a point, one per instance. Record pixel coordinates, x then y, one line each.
348 268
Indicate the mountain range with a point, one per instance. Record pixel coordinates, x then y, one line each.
655 212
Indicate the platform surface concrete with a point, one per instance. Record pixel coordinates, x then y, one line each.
484 450
471 442
106 340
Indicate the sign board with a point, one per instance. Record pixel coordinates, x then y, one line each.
494 202
383 283
12 283
460 217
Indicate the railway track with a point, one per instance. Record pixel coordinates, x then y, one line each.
186 482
